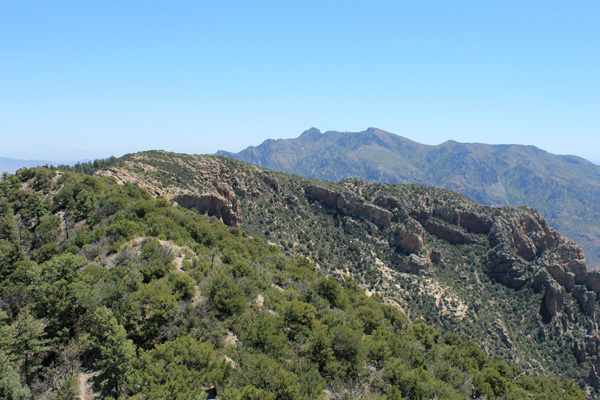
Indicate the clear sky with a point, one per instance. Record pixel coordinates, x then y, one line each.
81 79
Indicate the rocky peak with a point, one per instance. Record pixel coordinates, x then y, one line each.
311 134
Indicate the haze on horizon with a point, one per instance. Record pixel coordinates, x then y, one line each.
99 78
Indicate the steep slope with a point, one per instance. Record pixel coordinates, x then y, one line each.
564 189
107 293
502 276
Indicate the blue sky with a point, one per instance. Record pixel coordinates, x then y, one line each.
81 79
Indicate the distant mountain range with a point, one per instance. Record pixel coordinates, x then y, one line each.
11 165
565 189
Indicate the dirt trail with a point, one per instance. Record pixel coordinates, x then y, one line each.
85 387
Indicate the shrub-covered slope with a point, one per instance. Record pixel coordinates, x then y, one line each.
500 276
107 292
564 189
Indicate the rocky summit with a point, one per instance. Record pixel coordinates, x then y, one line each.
501 276
564 189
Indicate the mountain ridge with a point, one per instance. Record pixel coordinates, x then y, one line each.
502 276
116 285
562 187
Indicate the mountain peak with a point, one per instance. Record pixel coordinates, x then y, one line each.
491 174
311 133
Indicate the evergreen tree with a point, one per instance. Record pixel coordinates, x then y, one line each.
112 352
11 387
177 370
28 341
85 205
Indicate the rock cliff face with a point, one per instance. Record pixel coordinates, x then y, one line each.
353 205
432 252
524 248
221 207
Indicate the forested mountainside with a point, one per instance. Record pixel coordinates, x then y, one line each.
565 189
106 292
501 276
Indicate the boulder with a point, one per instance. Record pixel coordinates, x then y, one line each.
566 279
586 299
541 280
409 237
415 264
271 181
554 298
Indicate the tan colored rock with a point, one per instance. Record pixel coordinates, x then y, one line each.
213 205
271 181
566 279
354 206
409 237
450 233
416 264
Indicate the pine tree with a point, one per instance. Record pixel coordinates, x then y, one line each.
113 352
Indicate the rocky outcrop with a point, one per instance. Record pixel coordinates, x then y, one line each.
350 205
270 180
414 263
564 278
409 237
450 233
468 216
554 293
541 280
554 298
586 299
471 220
227 210
499 332
524 246
436 258
591 280
329 198
370 212
357 228
579 351
507 233
508 270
